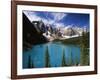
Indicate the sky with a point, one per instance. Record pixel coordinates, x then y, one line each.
59 19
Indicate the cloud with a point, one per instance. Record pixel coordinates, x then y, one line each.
48 21
58 16
59 25
32 16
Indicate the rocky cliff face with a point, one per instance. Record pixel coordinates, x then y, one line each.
32 35
71 32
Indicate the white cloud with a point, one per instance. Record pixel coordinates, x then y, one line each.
58 16
59 25
32 16
69 26
48 21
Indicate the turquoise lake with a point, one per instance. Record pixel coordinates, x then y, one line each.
55 50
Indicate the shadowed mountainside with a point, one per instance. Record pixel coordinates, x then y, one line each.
30 34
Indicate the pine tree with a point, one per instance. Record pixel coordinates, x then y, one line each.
32 66
77 62
63 59
30 63
47 58
71 60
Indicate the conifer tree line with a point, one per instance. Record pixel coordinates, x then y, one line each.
84 43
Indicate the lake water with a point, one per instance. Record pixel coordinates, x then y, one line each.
55 50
